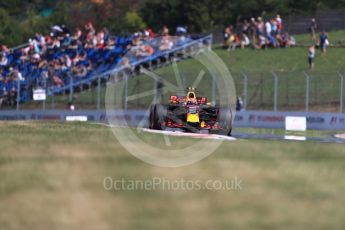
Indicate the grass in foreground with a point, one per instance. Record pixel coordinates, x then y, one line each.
51 177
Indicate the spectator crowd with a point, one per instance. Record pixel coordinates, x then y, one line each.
63 55
53 60
258 34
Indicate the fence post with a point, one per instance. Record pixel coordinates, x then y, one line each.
53 99
275 102
245 89
46 91
98 92
261 89
18 94
155 86
287 91
213 91
126 92
210 43
341 92
307 91
70 88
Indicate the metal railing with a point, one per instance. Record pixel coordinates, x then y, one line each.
291 90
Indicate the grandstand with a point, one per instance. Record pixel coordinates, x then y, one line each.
61 62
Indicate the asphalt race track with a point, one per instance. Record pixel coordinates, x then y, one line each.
247 136
288 138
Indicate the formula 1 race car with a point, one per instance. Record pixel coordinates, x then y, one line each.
191 114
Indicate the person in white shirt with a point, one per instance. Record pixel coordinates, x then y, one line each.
268 28
311 57
18 75
3 59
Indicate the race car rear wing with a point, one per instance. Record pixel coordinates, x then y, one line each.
181 99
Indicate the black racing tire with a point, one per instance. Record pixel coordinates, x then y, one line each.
157 117
152 117
228 121
225 121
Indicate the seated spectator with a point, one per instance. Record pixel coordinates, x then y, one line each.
245 41
146 50
68 62
165 31
65 29
90 29
44 75
287 41
226 37
262 42
57 81
180 31
3 59
292 40
100 40
12 97
17 75
271 41
235 41
151 33
66 41
43 64
81 71
56 29
55 44
4 49
110 45
78 34
35 58
55 56
2 98
166 44
125 62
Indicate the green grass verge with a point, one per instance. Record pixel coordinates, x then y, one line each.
335 37
51 177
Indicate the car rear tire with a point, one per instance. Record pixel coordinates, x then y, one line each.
225 121
157 117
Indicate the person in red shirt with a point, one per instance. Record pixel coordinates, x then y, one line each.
279 23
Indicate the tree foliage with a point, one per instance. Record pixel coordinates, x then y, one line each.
134 22
202 15
20 19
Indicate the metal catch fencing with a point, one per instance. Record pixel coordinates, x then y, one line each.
291 90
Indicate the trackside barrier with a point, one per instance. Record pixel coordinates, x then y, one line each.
295 123
247 119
